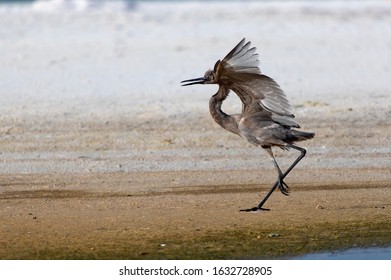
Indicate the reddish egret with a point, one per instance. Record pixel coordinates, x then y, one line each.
266 119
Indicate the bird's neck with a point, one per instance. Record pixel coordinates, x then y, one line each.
224 120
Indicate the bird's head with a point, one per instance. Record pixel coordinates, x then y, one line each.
208 78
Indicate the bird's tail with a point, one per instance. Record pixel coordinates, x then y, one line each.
301 135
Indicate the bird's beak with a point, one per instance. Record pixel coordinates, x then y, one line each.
196 81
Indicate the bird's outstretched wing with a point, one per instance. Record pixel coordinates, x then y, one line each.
240 72
269 94
242 59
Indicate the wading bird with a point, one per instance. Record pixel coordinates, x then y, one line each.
266 119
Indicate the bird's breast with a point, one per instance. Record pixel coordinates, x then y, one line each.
246 132
244 122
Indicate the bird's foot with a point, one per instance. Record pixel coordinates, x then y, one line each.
254 209
284 188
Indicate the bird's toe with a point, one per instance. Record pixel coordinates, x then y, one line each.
284 188
254 209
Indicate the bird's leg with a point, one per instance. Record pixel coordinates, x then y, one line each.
284 188
259 206
302 154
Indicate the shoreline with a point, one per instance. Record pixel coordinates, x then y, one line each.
77 199
85 201
194 223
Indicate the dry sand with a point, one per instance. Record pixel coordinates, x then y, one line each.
98 165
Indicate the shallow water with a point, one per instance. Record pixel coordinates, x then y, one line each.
372 253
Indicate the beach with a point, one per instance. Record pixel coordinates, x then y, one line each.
105 156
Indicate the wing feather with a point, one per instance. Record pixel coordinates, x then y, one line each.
242 58
240 69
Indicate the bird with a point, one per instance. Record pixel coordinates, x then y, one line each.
266 119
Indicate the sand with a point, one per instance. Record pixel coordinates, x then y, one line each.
104 155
